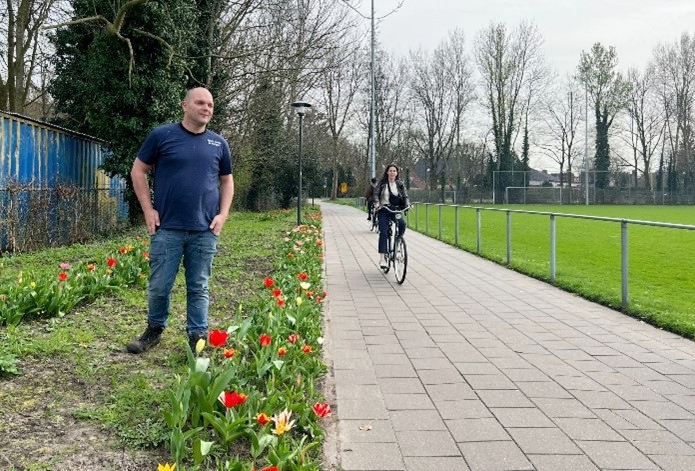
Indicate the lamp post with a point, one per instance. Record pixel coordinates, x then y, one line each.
428 185
586 146
301 109
372 88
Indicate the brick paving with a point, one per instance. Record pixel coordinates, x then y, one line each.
471 366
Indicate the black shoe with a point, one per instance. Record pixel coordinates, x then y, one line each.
149 338
193 339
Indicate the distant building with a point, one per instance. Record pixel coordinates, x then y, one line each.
543 177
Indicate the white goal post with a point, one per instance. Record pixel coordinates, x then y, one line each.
534 194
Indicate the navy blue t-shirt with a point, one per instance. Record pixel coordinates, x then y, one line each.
187 174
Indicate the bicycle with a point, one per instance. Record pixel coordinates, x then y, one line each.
396 249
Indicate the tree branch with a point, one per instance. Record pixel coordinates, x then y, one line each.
113 28
88 19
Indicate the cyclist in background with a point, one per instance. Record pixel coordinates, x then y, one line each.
369 196
390 192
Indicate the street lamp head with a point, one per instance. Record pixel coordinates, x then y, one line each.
301 107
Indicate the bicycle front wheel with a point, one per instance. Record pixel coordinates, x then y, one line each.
400 262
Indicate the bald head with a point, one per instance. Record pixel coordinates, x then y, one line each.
198 106
197 92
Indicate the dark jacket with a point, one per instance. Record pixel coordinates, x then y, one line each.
371 189
399 201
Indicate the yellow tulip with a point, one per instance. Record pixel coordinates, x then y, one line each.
282 422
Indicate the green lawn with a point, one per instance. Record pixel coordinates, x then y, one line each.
661 277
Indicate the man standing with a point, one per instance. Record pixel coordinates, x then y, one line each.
193 192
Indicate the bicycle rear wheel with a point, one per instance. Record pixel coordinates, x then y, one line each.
400 261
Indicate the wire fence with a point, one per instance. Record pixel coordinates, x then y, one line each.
579 195
535 187
36 218
555 195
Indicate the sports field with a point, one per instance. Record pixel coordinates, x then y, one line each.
661 261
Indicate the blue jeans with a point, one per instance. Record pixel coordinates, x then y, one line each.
167 248
384 217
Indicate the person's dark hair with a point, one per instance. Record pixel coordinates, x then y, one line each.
373 179
385 176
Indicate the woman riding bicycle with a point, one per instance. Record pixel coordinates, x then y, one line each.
390 192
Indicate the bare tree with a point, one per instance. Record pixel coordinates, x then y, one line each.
561 120
646 123
291 41
468 167
537 83
509 63
393 143
339 85
442 90
675 64
458 68
24 46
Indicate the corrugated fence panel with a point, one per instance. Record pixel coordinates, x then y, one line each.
10 149
37 157
31 151
52 159
26 153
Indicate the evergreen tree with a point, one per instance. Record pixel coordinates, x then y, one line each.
206 67
106 89
610 93
602 159
525 151
267 165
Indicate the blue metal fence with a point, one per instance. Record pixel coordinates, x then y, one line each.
52 191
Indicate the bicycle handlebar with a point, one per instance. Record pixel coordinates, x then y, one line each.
397 211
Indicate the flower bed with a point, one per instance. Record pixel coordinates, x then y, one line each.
249 398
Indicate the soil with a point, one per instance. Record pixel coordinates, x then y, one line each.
40 432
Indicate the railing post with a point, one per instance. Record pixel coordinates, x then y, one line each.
624 261
440 221
417 212
478 228
456 226
552 248
509 237
427 219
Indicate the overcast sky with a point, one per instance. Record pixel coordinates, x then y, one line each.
568 27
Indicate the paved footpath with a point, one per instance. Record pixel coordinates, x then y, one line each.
470 366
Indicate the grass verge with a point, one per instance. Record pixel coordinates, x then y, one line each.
80 401
588 253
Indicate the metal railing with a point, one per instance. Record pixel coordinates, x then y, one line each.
624 230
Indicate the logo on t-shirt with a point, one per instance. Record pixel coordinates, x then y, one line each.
215 143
